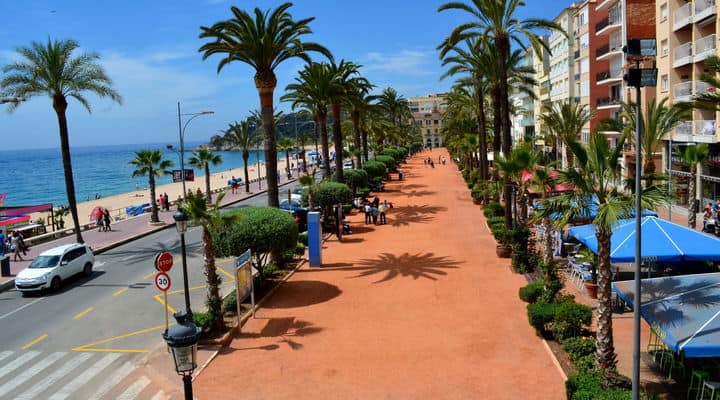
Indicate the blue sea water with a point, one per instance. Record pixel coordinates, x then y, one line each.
36 176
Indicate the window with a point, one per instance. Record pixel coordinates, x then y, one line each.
663 12
664 85
436 122
584 41
664 48
427 123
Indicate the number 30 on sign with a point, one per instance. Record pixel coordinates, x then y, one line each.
162 281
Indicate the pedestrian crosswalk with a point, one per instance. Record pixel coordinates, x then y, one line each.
27 375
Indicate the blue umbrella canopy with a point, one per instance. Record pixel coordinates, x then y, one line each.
662 240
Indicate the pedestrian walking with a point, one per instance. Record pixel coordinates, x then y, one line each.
167 201
15 246
374 211
382 209
21 240
368 213
161 201
106 218
99 221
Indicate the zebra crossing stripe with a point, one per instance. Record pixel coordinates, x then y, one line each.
116 378
5 354
54 377
85 377
159 396
134 389
14 364
30 372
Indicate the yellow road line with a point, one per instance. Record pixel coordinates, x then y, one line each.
83 312
85 346
149 274
112 350
159 298
182 290
34 342
229 275
120 291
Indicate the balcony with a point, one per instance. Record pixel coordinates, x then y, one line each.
609 76
608 102
609 50
704 47
682 16
683 131
601 51
705 131
610 23
686 90
605 4
704 9
683 55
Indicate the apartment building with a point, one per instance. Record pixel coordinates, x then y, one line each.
427 112
541 66
523 123
687 33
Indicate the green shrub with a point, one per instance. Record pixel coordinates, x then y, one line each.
303 238
588 386
494 209
570 319
521 255
263 230
496 221
389 162
579 346
363 192
564 298
347 208
531 292
299 249
328 194
203 320
375 169
355 178
230 302
394 152
287 257
541 314
270 269
585 363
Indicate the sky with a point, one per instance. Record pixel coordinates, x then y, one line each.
150 51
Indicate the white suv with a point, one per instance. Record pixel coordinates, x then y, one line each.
52 267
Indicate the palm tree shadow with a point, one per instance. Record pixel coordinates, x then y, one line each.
285 330
420 193
144 250
414 186
416 266
414 213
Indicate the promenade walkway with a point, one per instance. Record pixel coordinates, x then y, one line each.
122 232
420 308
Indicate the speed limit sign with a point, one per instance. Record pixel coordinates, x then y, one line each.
162 281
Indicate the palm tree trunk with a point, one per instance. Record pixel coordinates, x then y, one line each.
337 139
246 156
214 303
548 240
503 46
60 106
366 152
692 200
265 90
324 144
207 182
287 162
356 137
153 203
605 356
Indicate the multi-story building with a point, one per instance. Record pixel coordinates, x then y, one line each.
687 33
562 65
523 123
427 112
541 65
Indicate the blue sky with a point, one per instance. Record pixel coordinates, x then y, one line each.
149 49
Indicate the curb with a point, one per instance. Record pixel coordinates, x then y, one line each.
11 283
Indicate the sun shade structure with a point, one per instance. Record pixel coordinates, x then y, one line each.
662 241
683 310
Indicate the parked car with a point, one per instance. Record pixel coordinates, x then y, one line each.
53 266
348 165
294 207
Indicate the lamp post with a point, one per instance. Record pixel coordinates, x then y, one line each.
257 158
182 340
181 129
15 100
181 225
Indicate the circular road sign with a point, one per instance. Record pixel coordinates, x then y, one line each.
162 281
163 262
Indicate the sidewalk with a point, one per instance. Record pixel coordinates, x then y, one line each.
123 231
419 308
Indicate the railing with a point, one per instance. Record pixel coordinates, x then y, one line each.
704 8
683 54
681 16
602 24
607 101
614 16
611 74
706 129
704 47
684 89
602 50
683 129
701 87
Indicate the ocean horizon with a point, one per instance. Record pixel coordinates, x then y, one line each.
35 176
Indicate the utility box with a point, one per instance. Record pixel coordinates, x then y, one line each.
4 265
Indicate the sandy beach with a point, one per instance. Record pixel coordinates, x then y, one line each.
117 203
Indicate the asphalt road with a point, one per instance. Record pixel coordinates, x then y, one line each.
85 340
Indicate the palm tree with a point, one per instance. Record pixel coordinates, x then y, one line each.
240 134
710 99
394 105
543 181
51 70
211 219
359 101
203 158
287 145
595 178
565 120
343 81
263 43
151 163
654 125
302 141
694 156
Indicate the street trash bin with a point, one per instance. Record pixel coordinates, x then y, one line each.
4 265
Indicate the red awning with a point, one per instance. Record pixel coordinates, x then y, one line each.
15 220
20 210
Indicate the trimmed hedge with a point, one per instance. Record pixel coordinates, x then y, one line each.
541 314
493 209
375 169
531 292
355 178
328 194
389 161
588 386
570 318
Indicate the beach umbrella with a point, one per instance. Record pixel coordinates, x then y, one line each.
313 153
97 212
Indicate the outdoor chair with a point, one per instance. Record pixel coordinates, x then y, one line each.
712 387
697 378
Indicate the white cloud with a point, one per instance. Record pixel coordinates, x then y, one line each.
406 62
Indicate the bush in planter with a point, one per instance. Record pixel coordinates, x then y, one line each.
363 192
522 261
230 302
203 321
579 346
355 178
389 162
570 318
588 385
303 238
531 292
375 169
541 314
328 194
494 209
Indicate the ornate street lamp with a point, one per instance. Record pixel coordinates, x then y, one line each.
182 340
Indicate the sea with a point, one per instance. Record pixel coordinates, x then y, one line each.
30 177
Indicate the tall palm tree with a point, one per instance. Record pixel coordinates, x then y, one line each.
241 135
659 120
151 163
263 43
694 156
595 179
565 120
394 105
287 145
211 219
543 181
710 99
344 80
301 143
51 69
359 101
203 158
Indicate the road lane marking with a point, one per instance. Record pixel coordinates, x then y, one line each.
49 380
149 274
30 372
134 389
5 354
110 383
160 298
159 396
85 377
14 364
83 312
85 347
119 292
126 258
20 308
229 275
35 341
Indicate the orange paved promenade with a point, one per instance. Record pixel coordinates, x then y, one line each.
420 308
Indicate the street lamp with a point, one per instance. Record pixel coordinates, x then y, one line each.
181 128
15 100
181 224
257 157
182 340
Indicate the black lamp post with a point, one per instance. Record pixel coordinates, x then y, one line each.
181 224
182 340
